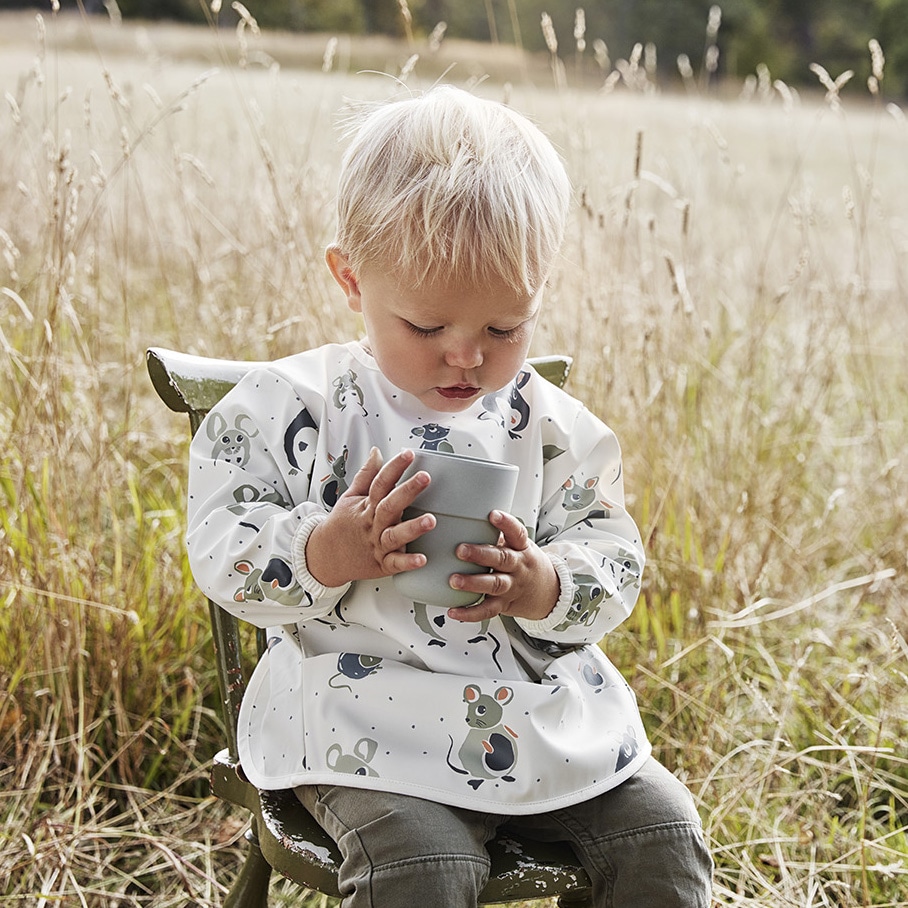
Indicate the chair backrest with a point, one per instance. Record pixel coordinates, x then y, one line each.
193 385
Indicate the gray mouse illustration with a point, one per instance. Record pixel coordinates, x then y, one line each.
489 750
230 445
275 583
357 763
347 391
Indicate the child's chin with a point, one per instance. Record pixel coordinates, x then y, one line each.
450 404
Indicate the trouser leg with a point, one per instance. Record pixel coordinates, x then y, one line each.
400 851
641 843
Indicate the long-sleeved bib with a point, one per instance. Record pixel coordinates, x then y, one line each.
362 687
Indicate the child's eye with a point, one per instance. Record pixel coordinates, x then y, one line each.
503 333
421 332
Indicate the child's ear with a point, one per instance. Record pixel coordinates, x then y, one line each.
340 269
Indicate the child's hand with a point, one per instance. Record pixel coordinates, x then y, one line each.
363 536
523 582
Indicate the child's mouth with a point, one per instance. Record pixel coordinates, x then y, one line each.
458 392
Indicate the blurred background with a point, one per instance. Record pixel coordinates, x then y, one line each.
783 35
733 290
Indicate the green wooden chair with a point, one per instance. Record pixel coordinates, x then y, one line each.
282 836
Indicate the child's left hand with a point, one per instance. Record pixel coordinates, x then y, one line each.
523 582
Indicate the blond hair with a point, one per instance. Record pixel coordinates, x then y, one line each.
446 183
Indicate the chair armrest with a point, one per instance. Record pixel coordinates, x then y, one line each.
188 383
555 369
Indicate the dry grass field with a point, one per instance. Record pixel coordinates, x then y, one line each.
734 290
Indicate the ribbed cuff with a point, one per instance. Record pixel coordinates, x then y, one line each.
301 569
566 596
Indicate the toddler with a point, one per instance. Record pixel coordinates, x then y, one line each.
412 733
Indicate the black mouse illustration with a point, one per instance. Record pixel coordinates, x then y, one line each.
433 437
354 666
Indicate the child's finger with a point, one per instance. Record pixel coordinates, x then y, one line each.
490 585
399 562
498 558
514 532
366 474
387 478
396 536
488 608
390 504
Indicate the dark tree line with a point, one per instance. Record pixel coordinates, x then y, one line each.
785 35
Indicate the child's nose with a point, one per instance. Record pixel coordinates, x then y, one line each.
464 354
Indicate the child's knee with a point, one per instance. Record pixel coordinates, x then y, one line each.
657 835
654 797
401 851
669 866
396 828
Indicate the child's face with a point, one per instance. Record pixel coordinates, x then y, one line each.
445 343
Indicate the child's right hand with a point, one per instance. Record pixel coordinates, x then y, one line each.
363 537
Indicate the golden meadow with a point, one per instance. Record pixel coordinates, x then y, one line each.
734 290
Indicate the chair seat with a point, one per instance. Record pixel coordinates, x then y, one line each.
299 849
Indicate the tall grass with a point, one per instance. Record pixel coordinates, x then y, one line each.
733 290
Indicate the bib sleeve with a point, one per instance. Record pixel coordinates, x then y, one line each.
593 542
250 510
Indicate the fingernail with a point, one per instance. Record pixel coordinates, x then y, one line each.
456 581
